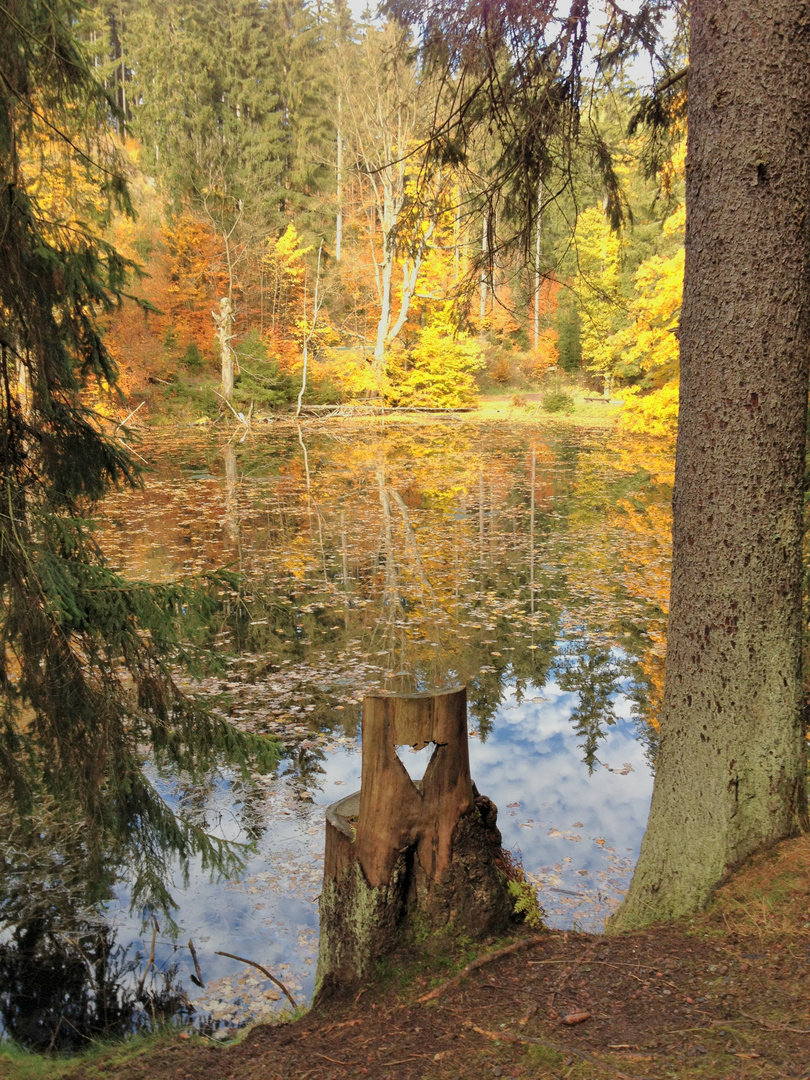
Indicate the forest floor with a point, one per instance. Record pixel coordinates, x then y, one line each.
722 997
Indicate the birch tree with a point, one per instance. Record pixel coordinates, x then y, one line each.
382 110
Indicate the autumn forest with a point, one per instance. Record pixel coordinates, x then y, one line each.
291 198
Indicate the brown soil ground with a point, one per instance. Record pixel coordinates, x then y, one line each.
724 997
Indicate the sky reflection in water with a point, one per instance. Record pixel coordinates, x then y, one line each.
578 834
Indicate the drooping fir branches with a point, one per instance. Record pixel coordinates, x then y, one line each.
87 658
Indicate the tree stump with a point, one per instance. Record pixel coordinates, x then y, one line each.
403 858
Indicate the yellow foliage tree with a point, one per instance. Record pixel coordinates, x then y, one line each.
439 370
599 254
650 343
347 371
285 260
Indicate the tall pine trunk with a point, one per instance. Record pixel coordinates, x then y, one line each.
731 772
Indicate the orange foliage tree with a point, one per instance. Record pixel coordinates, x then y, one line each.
197 278
183 273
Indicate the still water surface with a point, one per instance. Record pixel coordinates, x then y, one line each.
529 564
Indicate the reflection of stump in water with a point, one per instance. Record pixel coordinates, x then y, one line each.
405 858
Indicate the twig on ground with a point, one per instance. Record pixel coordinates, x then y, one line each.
518 946
566 975
773 1025
270 976
527 1016
620 967
335 1061
401 1061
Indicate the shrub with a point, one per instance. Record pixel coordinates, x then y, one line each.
556 401
500 369
192 359
259 379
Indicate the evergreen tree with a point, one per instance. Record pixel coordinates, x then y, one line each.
208 104
103 25
87 657
230 101
305 47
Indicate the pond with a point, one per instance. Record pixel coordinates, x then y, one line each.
530 564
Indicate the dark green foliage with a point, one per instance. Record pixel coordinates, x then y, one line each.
87 658
227 99
260 381
192 359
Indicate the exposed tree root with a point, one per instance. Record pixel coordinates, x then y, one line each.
518 946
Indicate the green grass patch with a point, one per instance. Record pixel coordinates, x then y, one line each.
102 1056
540 1057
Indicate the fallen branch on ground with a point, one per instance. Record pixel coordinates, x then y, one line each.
127 418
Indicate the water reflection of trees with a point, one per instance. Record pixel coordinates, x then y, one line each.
593 675
64 980
451 554
302 763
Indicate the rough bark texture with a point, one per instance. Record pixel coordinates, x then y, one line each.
404 858
731 772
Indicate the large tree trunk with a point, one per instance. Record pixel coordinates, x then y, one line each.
731 772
